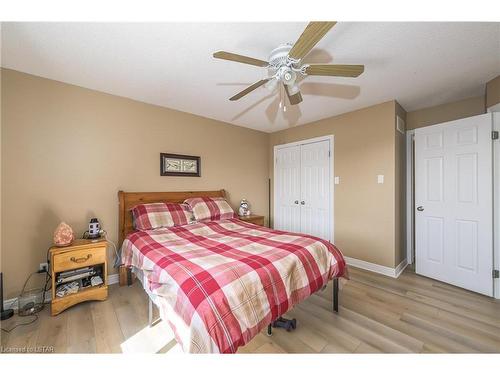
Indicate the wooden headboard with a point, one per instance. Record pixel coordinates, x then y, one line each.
129 200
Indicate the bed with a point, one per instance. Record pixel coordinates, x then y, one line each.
219 283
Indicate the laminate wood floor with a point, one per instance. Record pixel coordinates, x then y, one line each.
378 314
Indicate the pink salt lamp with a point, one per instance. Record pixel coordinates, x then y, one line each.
63 235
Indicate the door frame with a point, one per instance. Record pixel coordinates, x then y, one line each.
330 139
410 194
496 202
410 197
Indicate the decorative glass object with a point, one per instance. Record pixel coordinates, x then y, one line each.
63 235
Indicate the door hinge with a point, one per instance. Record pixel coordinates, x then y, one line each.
494 134
329 153
496 274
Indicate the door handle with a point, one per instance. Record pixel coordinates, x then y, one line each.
420 208
296 202
302 202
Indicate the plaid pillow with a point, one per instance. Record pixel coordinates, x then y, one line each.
157 215
208 209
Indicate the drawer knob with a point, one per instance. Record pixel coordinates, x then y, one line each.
82 259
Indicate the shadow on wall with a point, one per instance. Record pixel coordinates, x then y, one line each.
293 113
332 90
47 224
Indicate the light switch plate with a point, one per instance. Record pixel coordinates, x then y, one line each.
337 180
380 179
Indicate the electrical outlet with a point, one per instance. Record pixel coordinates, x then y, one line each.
43 267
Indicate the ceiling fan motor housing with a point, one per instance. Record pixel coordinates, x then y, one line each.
279 55
279 65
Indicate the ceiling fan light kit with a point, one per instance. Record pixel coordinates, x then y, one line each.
271 85
284 65
293 89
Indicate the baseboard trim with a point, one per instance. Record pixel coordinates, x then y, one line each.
113 279
401 267
377 268
12 302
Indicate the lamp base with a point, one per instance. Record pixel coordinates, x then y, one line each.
6 314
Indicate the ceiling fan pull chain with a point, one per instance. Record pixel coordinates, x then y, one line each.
281 95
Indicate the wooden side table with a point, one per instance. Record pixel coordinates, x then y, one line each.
81 254
254 219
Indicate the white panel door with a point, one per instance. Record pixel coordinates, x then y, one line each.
287 189
315 189
454 205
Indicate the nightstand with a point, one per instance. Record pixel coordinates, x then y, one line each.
254 219
71 263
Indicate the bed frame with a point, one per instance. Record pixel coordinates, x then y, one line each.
127 200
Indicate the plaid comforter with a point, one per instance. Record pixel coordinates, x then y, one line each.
222 282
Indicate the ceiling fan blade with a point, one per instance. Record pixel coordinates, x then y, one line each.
309 38
240 58
295 98
335 70
249 89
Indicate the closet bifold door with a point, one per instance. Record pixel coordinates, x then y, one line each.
315 189
287 189
303 196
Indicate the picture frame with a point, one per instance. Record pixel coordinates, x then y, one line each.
180 165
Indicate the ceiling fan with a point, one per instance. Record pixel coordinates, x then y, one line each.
285 64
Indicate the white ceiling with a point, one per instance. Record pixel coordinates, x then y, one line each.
171 64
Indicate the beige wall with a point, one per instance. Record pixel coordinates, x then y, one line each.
493 92
66 151
364 147
446 112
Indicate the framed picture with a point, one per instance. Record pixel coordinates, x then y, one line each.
180 165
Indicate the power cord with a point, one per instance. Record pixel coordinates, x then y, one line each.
35 318
104 234
118 259
48 277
